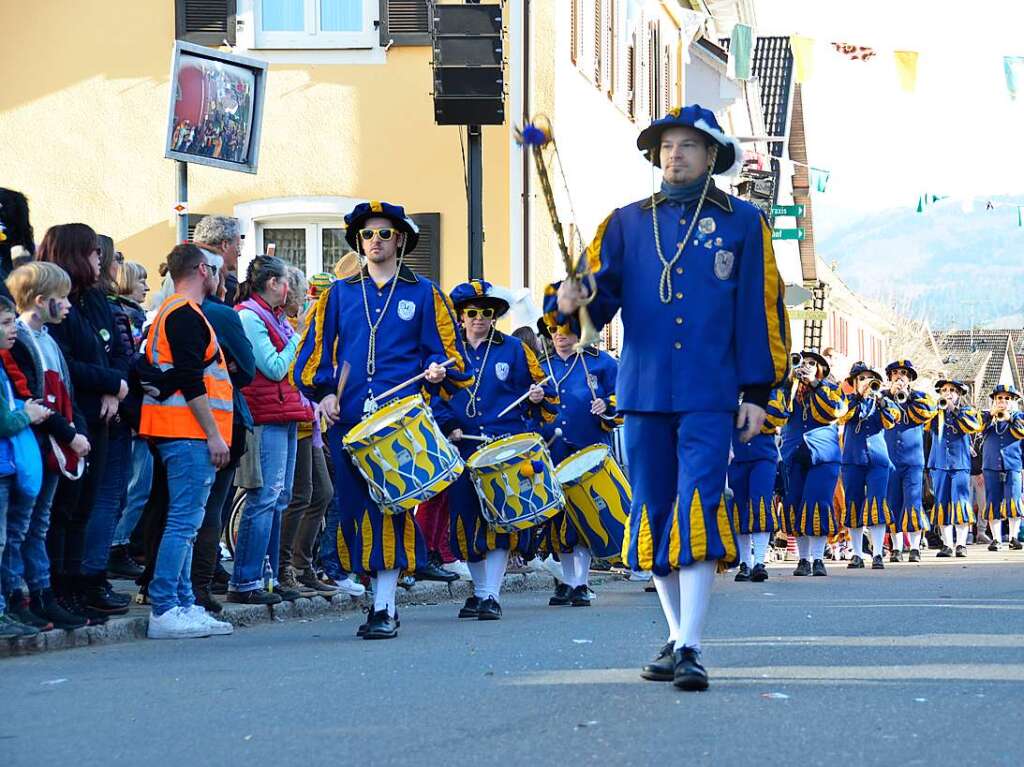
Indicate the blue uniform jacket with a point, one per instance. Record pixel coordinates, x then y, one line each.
906 439
725 329
812 422
865 421
764 446
951 450
580 428
503 372
418 328
1001 446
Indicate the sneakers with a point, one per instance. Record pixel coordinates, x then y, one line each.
202 618
176 623
944 552
1016 545
759 574
254 597
12 629
818 568
460 569
896 556
961 552
121 564
915 555
743 574
350 586
18 608
877 563
856 563
803 567
46 605
994 546
288 582
309 579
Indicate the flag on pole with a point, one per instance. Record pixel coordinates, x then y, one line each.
741 49
906 69
692 24
1013 66
803 56
854 52
819 179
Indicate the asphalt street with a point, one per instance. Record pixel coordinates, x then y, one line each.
920 664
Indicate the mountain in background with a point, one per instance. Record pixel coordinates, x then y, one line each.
954 265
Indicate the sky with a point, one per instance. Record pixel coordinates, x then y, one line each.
957 135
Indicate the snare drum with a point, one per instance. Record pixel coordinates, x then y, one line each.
597 499
402 455
515 480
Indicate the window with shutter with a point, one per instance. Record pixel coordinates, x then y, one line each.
631 80
653 73
598 43
426 258
574 26
205 22
404 22
666 77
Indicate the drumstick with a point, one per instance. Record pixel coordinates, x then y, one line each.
342 378
556 435
414 379
520 399
476 438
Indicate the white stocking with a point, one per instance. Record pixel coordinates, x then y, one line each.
760 547
857 541
947 535
582 557
961 534
877 539
744 544
478 572
568 568
803 546
915 539
695 595
1014 528
668 594
996 526
384 588
817 546
497 562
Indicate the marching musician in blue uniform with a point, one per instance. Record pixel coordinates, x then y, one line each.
585 383
504 368
949 464
752 474
388 324
693 272
811 461
1003 428
866 464
906 451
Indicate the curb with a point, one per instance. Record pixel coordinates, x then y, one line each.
132 627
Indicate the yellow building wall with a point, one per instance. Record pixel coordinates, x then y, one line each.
83 112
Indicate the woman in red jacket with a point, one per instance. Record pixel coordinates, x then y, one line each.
268 469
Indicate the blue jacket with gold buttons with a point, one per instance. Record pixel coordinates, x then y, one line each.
1001 446
951 448
865 422
812 423
724 330
906 439
416 327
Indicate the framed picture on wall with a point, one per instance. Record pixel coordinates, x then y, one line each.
216 108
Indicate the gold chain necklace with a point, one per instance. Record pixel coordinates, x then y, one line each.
371 352
471 410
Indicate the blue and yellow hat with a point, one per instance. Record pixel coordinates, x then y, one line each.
862 367
1005 389
478 293
730 153
904 365
552 318
375 209
960 386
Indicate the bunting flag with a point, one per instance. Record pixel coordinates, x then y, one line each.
906 69
1020 215
741 49
691 24
926 200
1013 66
854 52
819 180
803 56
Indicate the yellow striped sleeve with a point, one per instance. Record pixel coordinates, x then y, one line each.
548 407
775 311
1017 426
891 414
444 318
593 254
828 403
968 420
921 407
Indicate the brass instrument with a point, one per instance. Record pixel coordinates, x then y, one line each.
536 135
943 403
900 396
1000 415
875 386
796 359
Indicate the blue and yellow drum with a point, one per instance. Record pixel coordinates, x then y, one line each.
402 455
597 499
515 480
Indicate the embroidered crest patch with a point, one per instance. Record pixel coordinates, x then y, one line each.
724 260
501 370
406 309
706 225
592 382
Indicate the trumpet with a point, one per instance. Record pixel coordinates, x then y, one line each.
900 396
875 386
943 403
796 359
1000 415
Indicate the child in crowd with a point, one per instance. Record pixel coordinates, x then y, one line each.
16 507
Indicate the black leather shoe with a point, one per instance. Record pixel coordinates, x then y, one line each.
961 551
580 597
856 563
915 555
433 572
994 546
287 594
1016 545
662 668
877 563
818 568
120 564
254 597
896 556
100 597
743 573
381 626
803 567
561 596
689 674
945 552
471 609
759 574
489 610
361 631
207 601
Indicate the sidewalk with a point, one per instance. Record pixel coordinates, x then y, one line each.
133 625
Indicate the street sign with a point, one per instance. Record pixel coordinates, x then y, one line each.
788 234
806 314
787 210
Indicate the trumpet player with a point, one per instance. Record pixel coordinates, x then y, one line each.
866 463
811 460
949 463
906 451
1001 464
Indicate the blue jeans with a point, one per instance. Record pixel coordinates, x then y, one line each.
106 508
259 532
6 485
189 479
139 484
25 561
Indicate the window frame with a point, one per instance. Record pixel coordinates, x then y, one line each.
311 38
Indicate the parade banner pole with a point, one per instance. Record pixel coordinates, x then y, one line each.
181 171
